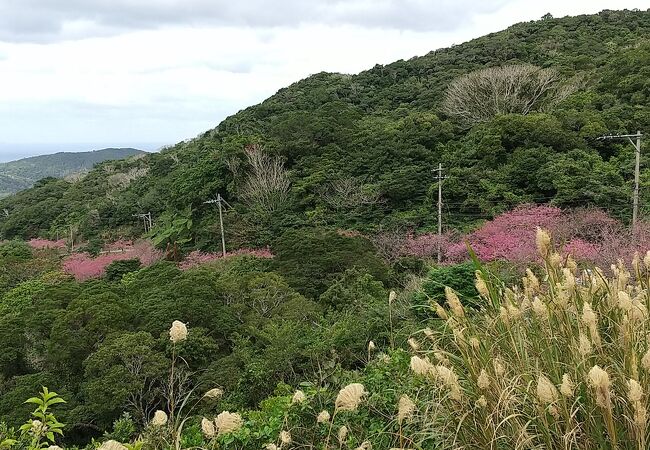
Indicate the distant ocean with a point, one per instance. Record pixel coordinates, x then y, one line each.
12 152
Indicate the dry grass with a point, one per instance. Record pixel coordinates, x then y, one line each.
560 363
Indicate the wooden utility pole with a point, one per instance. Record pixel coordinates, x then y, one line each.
219 200
637 166
439 177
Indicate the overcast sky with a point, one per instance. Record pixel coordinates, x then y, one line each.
131 72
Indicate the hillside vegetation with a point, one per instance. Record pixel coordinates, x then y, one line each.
379 134
329 324
23 173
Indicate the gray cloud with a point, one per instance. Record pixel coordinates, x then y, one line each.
54 20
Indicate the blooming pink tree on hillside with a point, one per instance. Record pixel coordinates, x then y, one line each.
83 266
119 245
588 235
509 236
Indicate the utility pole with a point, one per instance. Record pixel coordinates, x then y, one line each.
146 219
219 200
637 163
71 239
439 177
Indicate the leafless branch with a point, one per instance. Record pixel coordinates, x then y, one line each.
349 193
267 185
514 89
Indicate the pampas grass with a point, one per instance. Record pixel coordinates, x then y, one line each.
561 363
227 422
349 398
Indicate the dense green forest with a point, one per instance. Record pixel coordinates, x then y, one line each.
315 334
379 134
23 173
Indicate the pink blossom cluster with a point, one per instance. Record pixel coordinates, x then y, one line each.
198 258
509 236
43 244
582 250
83 266
588 235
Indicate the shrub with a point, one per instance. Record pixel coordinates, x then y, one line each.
425 245
408 268
117 269
353 288
124 429
94 246
359 313
310 259
16 250
509 236
589 235
458 276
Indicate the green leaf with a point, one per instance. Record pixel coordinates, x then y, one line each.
8 443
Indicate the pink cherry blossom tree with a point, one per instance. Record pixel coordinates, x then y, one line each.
83 266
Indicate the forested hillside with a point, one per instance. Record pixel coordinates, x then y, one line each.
359 149
23 173
330 322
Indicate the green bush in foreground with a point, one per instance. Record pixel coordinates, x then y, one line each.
40 431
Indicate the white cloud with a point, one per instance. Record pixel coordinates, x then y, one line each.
160 79
179 75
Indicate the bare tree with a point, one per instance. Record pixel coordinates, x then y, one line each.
144 400
267 184
348 193
515 89
122 180
389 244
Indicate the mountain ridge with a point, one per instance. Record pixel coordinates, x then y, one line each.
23 173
